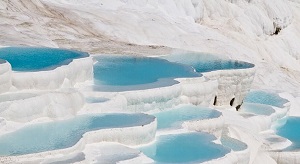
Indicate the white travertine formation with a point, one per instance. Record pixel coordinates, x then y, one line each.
232 85
131 136
5 76
78 70
197 91
241 157
285 157
213 125
24 107
239 29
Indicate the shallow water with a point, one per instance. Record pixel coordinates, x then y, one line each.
259 109
264 97
37 58
291 131
131 71
184 148
175 117
63 134
207 62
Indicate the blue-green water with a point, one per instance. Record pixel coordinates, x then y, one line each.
259 109
207 62
264 97
130 71
291 131
175 117
37 59
63 134
184 148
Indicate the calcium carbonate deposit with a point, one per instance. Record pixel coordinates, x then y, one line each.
150 81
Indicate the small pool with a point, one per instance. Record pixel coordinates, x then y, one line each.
184 148
33 59
233 144
258 109
263 97
136 72
63 134
175 117
207 62
291 131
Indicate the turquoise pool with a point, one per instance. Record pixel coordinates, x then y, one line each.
37 58
259 109
264 97
291 131
207 62
119 72
63 134
184 148
175 117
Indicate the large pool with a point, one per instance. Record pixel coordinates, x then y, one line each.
264 97
63 134
175 117
123 72
184 148
207 62
291 131
37 59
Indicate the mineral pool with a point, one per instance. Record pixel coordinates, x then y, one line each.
207 62
122 71
184 148
291 131
31 59
264 97
63 134
175 117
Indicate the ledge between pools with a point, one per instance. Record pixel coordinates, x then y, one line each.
197 91
287 157
78 70
131 136
234 77
233 85
211 125
27 106
214 88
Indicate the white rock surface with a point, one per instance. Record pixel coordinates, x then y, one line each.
79 70
25 107
5 76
